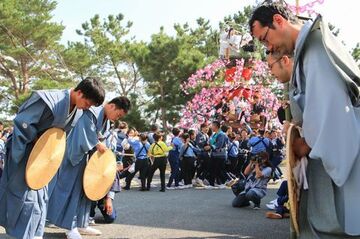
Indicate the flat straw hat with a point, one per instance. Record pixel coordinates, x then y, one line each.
99 174
293 133
45 158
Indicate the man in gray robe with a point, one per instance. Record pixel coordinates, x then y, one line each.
69 208
23 210
322 103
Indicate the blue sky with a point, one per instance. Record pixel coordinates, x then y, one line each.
149 15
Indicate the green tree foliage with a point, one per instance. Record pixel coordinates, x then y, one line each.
106 53
134 118
356 53
157 64
79 60
166 62
28 47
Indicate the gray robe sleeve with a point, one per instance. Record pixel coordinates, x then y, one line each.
32 117
330 122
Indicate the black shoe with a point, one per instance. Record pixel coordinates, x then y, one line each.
126 188
162 190
143 189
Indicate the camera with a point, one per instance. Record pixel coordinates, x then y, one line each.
257 158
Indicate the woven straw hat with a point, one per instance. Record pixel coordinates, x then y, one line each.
293 133
45 158
99 174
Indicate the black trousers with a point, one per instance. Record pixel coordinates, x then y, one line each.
231 168
100 204
216 167
244 198
159 163
142 166
202 171
188 169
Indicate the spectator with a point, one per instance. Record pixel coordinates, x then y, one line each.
202 141
174 159
259 144
258 173
154 129
142 164
158 154
281 211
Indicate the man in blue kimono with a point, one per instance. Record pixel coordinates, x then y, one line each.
23 210
69 208
324 102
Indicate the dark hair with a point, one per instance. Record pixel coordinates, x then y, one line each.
232 135
216 123
261 132
203 125
143 136
191 132
154 127
229 32
1 123
266 11
185 136
244 130
157 136
224 128
175 131
92 89
265 156
121 102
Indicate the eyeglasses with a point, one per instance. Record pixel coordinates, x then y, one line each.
264 39
272 64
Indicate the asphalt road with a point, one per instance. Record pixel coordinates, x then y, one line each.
189 213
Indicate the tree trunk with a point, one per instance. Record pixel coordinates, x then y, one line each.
25 76
122 87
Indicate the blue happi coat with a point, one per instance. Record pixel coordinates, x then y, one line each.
22 210
68 205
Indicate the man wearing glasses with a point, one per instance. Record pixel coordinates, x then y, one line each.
324 100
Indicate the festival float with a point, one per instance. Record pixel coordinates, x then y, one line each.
234 91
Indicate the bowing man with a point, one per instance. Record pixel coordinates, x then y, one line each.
69 208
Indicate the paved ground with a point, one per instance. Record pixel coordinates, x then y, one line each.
190 213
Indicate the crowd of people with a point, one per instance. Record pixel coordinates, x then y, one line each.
214 156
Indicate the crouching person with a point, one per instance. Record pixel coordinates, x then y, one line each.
258 173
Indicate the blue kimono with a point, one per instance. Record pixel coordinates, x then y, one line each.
68 205
22 210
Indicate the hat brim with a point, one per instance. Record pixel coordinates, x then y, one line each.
99 174
293 133
45 158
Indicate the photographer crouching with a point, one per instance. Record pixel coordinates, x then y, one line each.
257 173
